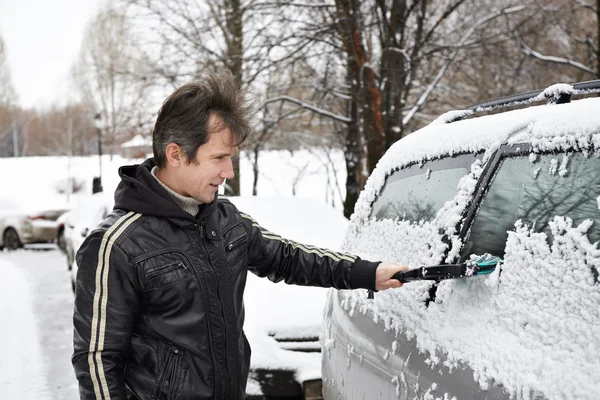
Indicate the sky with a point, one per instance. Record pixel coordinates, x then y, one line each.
42 39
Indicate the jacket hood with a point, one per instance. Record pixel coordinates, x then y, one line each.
139 192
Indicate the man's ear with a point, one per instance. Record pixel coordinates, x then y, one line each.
175 155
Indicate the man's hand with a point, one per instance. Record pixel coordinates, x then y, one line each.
384 273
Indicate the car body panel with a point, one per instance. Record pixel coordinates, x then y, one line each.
60 231
40 230
84 218
501 336
396 370
31 225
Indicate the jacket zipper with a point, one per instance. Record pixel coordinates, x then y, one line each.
217 367
237 241
165 250
169 374
165 268
200 231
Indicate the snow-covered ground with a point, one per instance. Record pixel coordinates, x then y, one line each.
35 298
36 308
21 374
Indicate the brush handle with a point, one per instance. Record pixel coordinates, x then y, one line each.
432 273
408 276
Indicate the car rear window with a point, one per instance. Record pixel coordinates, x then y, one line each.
535 189
418 191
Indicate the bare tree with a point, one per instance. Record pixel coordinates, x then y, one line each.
395 55
59 131
8 109
377 68
110 77
568 38
190 38
291 117
8 95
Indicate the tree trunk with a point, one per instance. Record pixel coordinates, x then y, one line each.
256 152
598 41
369 99
354 178
234 16
365 105
394 68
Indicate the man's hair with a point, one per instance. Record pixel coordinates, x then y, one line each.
184 116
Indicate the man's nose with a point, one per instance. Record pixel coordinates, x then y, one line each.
228 173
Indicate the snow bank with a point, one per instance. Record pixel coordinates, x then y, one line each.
33 181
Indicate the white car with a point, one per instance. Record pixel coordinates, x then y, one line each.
282 321
86 216
20 226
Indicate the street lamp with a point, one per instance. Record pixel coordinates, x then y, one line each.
99 124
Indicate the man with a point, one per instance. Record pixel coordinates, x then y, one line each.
159 295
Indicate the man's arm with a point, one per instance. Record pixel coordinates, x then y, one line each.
277 258
105 308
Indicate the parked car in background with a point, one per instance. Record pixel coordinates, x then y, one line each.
86 216
521 185
60 231
20 226
282 321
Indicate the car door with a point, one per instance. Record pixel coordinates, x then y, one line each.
413 221
534 325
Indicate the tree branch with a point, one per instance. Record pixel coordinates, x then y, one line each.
583 4
558 60
444 68
310 107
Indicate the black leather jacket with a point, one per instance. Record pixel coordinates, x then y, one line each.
159 295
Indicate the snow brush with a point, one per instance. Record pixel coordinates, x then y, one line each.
481 265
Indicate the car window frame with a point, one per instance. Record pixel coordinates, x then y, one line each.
521 149
477 155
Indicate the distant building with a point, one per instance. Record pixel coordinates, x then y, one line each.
138 147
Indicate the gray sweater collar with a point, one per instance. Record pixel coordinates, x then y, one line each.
188 204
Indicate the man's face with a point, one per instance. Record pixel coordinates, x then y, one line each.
201 179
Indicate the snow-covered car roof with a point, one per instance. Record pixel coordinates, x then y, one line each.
16 208
547 127
82 216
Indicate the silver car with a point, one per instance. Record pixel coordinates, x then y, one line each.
521 188
19 226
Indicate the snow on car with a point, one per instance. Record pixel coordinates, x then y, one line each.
84 218
520 185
